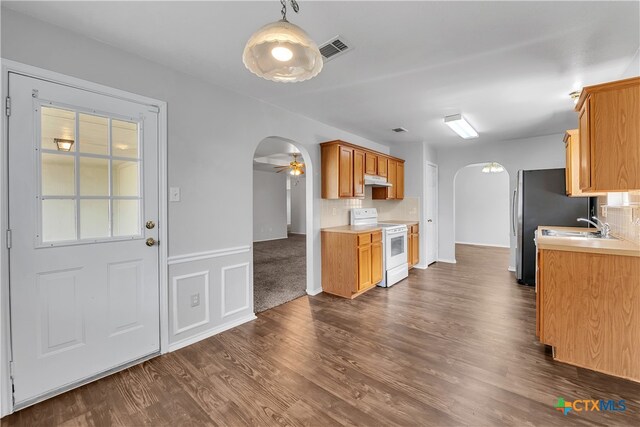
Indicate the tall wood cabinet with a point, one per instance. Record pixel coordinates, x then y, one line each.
609 136
351 262
413 245
344 166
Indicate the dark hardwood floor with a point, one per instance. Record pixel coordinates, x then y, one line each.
452 345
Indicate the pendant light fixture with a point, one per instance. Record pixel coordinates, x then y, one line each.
493 167
282 52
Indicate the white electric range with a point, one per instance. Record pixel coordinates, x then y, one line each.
394 245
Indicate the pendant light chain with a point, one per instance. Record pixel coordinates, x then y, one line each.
294 6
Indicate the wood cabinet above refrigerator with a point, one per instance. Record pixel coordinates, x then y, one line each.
609 136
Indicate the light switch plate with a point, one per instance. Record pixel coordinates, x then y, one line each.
174 194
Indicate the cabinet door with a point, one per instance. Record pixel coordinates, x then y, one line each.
585 146
415 249
391 178
346 172
364 267
371 164
382 166
376 262
409 247
399 180
567 171
358 173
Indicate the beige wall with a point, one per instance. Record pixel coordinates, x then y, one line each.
622 212
336 212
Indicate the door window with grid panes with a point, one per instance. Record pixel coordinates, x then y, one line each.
90 173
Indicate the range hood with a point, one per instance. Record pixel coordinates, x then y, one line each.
376 181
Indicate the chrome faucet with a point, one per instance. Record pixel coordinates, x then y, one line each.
602 227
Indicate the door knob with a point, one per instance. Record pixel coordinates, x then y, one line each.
151 241
150 225
429 220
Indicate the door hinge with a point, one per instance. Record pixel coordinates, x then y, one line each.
9 239
7 106
11 369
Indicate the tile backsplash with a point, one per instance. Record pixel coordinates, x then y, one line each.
336 212
622 212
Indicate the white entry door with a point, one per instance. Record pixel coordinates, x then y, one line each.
431 226
83 182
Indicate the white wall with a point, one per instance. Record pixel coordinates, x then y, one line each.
269 206
212 136
544 152
482 207
298 209
416 157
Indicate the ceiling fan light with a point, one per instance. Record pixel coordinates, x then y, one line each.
282 52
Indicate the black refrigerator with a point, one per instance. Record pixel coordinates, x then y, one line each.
540 199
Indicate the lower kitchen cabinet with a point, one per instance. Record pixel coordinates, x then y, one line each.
351 262
413 245
588 310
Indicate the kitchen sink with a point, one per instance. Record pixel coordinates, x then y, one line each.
584 234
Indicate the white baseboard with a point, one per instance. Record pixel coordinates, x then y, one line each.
483 244
302 234
313 292
511 268
448 261
274 238
211 332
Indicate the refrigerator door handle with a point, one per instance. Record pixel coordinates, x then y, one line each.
513 211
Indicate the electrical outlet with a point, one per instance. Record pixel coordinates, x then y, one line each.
334 211
195 300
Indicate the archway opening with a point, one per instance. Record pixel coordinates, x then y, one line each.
282 222
482 211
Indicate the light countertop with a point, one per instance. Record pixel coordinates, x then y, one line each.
393 221
581 244
354 229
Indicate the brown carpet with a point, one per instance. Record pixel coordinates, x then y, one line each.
279 271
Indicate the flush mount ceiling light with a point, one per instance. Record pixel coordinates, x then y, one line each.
63 144
460 126
493 167
282 51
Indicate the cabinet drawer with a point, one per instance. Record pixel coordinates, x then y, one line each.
376 236
364 239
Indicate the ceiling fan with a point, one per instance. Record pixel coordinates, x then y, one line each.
294 167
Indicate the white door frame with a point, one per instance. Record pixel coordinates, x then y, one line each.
6 404
423 236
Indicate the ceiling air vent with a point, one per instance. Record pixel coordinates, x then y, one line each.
399 130
334 47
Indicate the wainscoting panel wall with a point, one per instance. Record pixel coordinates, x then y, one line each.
209 292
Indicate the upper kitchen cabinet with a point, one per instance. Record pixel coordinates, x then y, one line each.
345 165
609 137
371 164
395 177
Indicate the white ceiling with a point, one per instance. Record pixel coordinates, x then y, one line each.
506 66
